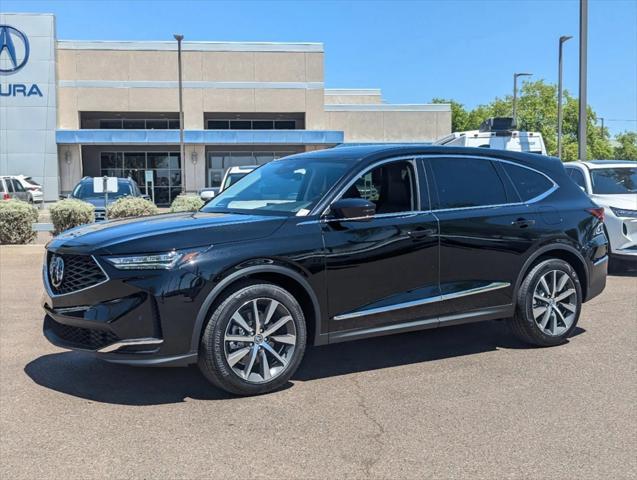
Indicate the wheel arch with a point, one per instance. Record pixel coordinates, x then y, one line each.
284 277
563 252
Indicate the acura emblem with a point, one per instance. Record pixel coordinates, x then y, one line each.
56 270
14 49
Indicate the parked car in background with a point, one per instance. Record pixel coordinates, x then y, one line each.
234 174
208 193
84 191
32 187
11 187
612 184
330 246
498 133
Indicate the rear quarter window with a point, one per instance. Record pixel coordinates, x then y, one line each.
528 183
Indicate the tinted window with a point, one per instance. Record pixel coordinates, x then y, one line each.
17 186
9 185
578 177
85 190
464 182
528 183
390 187
614 180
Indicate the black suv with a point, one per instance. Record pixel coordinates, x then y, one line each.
330 246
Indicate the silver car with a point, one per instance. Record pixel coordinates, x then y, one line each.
10 187
612 184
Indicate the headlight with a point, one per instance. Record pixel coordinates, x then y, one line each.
622 212
156 261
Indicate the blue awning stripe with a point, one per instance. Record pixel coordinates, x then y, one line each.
208 137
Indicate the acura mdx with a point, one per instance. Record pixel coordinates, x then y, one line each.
330 246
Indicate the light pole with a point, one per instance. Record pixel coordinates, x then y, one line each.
563 39
182 154
515 93
583 40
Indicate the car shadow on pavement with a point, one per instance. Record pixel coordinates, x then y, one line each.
85 376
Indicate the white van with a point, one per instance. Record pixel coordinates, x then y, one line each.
499 133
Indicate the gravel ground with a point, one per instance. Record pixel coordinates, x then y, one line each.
460 402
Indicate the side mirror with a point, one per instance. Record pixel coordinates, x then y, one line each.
353 209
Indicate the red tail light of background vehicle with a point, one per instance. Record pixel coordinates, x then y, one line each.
598 213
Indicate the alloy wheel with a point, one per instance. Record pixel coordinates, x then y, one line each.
554 303
259 340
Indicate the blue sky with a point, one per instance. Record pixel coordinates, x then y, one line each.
413 50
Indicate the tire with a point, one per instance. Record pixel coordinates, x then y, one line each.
547 317
224 361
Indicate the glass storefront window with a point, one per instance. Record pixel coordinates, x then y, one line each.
219 162
166 168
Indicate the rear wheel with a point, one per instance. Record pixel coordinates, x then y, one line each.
549 302
254 340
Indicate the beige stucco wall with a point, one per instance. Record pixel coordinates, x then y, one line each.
206 66
304 68
388 126
331 99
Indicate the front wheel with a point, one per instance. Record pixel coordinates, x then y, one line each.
549 302
254 340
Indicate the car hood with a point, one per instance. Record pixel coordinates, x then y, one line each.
624 200
161 233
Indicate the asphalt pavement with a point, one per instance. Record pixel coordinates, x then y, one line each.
459 402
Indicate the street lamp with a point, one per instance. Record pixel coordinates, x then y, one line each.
583 41
563 39
515 92
182 154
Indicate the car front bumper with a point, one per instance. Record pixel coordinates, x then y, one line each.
128 319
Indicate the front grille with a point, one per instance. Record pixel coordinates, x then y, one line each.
80 272
86 338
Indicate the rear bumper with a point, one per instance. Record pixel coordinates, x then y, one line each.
597 273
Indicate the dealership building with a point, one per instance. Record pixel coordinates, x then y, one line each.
70 108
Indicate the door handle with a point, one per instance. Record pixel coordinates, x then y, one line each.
523 222
421 233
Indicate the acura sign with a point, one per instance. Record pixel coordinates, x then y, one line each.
14 54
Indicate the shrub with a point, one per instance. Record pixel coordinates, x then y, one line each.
186 203
16 222
70 213
131 207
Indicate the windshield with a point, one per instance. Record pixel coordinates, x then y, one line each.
292 186
85 190
608 181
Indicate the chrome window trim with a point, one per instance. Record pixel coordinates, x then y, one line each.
45 274
415 303
413 159
403 158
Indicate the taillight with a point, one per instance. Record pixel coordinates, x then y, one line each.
597 213
5 196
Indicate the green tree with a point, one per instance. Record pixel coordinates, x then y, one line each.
626 148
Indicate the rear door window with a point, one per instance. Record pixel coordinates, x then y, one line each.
467 182
9 183
528 183
17 186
